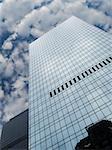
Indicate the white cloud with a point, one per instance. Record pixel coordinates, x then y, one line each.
19 65
2 63
1 94
19 84
104 4
7 45
9 70
46 17
2 59
13 11
0 129
36 33
14 108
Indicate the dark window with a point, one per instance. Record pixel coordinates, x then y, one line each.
74 80
62 87
108 61
78 78
50 94
86 73
104 62
100 64
93 68
66 85
89 70
70 82
97 67
110 58
83 75
54 92
58 90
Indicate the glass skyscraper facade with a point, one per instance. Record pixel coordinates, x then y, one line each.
70 84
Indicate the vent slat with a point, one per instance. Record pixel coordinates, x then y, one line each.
62 87
100 65
86 73
74 80
89 70
50 94
54 92
83 75
108 61
70 82
96 66
104 62
110 58
78 78
66 85
93 69
58 90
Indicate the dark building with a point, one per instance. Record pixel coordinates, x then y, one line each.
99 137
15 133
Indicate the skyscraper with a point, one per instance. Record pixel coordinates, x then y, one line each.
70 84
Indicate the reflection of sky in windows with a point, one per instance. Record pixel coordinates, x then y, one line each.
61 54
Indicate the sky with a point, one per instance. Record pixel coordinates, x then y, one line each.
23 21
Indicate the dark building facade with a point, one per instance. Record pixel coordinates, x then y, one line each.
99 137
15 133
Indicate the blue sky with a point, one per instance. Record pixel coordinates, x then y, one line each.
23 21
